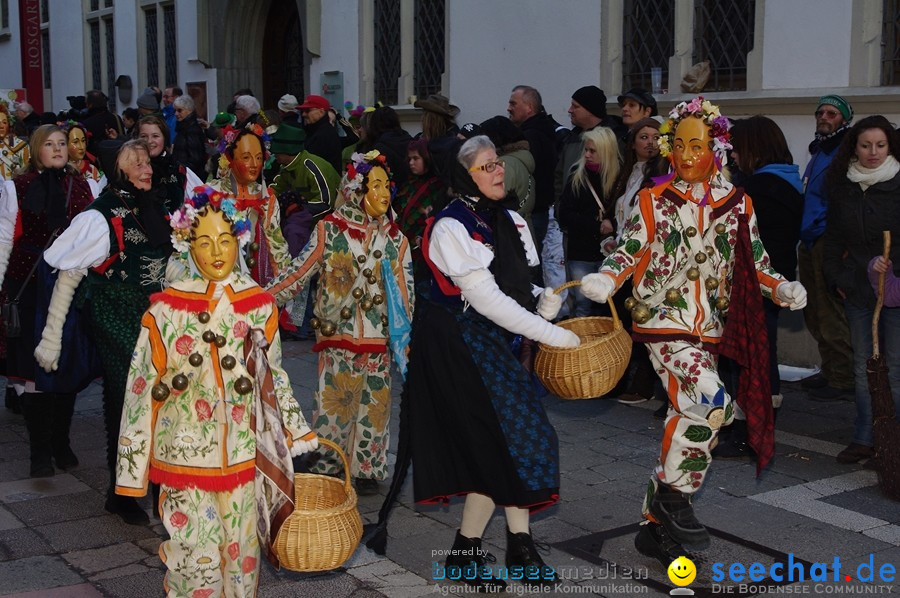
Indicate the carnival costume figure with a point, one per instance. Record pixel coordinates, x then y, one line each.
476 423
246 151
209 412
14 152
693 249
34 208
121 243
84 162
363 307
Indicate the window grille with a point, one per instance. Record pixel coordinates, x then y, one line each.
890 43
45 12
4 14
95 5
151 45
293 62
723 35
45 56
169 41
648 33
110 63
429 46
96 75
387 50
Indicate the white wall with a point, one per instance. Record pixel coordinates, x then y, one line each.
66 54
807 44
126 31
493 46
340 47
11 52
189 69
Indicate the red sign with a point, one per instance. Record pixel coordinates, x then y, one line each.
32 62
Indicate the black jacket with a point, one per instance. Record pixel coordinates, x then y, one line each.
779 211
190 145
540 131
579 217
392 144
98 120
853 235
322 140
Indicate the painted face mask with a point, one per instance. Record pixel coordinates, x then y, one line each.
214 247
694 160
248 159
77 145
378 198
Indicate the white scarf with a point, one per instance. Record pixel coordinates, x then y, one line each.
866 177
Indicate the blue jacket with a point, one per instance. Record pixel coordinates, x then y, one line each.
168 113
815 202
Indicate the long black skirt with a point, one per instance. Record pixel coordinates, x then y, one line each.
477 423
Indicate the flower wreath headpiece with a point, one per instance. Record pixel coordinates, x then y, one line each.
67 125
710 114
183 218
360 166
230 135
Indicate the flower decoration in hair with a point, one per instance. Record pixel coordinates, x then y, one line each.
359 167
709 112
230 135
182 219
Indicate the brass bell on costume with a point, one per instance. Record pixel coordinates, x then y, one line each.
720 229
372 280
693 273
630 302
711 283
377 254
254 247
180 382
384 320
722 303
314 323
690 231
208 336
159 392
377 299
251 262
195 359
673 295
328 328
203 316
361 259
710 251
228 362
700 257
640 313
367 272
366 304
346 313
243 385
221 341
357 293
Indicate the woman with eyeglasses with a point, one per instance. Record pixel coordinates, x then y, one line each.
477 424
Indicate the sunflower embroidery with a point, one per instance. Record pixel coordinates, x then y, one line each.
342 396
340 275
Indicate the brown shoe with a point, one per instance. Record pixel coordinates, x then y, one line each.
855 453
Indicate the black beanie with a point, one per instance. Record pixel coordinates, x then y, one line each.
593 99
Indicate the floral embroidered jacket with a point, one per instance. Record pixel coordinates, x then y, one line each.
335 248
665 237
200 436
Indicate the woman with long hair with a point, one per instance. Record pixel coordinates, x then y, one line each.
642 163
586 209
863 201
34 208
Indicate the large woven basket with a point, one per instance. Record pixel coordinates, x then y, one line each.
325 527
593 368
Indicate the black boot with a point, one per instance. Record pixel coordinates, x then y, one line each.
63 407
12 401
673 510
733 442
522 558
125 507
467 557
38 413
654 541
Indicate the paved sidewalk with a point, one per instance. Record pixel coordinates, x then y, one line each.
57 540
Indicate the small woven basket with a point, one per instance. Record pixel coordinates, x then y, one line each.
593 368
325 527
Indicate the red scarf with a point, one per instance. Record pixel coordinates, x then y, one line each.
746 342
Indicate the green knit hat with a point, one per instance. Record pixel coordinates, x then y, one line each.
224 119
840 103
288 140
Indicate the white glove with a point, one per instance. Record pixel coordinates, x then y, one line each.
597 287
304 446
176 268
48 350
549 304
481 291
793 294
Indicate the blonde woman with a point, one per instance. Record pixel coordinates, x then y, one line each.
586 209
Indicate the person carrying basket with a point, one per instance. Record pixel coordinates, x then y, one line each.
692 247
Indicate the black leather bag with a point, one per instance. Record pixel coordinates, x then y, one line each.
10 312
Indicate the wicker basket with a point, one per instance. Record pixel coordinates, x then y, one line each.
593 368
325 527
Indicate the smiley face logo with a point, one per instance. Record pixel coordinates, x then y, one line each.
682 571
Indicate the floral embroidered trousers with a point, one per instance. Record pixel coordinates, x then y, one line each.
698 407
352 409
212 548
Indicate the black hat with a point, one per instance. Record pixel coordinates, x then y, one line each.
592 99
642 97
469 130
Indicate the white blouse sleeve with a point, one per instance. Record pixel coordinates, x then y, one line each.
530 250
84 244
454 252
9 210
